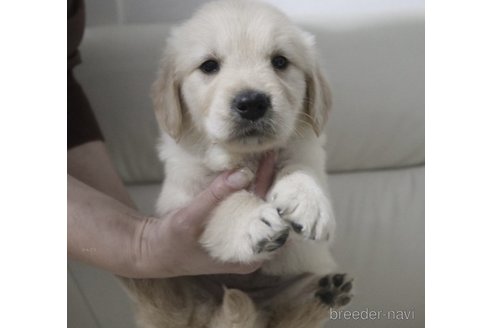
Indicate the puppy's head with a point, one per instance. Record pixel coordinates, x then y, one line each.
241 75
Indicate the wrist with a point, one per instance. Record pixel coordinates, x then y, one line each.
141 262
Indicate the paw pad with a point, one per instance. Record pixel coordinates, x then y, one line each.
334 290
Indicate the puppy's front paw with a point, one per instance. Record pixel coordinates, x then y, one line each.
302 202
269 233
251 232
334 290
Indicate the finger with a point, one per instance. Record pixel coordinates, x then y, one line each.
224 185
265 174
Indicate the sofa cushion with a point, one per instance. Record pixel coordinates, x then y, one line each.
375 69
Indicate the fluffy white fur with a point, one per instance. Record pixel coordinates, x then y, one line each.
194 111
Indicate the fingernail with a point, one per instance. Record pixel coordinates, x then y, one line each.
240 178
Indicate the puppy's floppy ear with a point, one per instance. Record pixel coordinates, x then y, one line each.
167 98
318 93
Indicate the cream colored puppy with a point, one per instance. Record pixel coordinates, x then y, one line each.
237 80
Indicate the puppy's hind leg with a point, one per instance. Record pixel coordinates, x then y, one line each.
237 311
308 315
321 294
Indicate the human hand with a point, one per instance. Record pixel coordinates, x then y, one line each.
170 247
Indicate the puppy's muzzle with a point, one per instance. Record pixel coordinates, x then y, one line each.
251 105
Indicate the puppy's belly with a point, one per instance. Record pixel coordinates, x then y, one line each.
259 286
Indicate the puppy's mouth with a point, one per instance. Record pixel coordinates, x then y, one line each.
260 130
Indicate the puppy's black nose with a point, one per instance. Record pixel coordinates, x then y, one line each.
251 104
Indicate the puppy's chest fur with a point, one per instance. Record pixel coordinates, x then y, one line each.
217 159
192 167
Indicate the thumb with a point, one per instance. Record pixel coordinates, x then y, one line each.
224 185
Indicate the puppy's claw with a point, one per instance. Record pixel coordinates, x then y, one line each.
270 245
347 287
297 227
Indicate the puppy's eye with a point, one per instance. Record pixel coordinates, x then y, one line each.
210 66
280 62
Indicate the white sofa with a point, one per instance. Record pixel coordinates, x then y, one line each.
375 145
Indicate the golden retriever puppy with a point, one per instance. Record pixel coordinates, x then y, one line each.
236 80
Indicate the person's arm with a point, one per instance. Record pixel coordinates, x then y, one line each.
109 234
99 228
90 163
